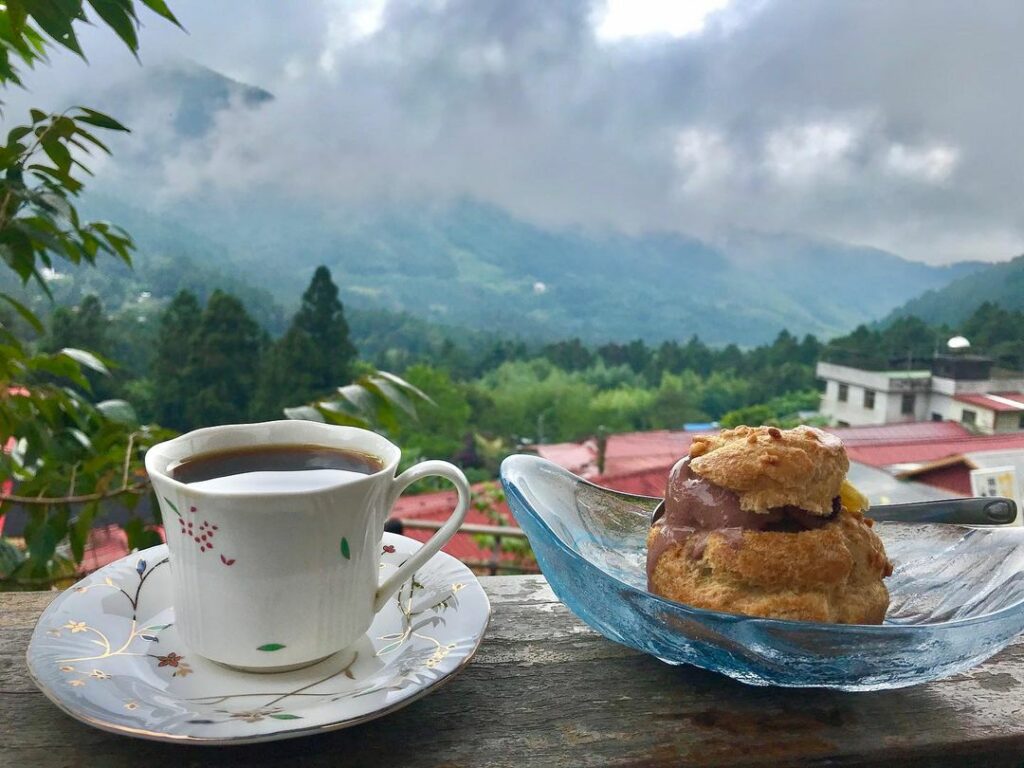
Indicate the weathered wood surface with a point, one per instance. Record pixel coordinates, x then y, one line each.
546 690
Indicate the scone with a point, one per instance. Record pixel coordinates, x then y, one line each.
761 521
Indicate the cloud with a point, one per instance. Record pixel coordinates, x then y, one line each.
889 124
933 163
704 159
807 154
617 20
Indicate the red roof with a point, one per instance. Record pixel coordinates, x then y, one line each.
624 454
1001 402
913 451
438 506
638 452
648 482
913 430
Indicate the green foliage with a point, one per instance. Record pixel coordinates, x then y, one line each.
322 318
999 333
69 455
84 326
223 363
313 356
569 355
907 342
536 401
779 411
488 499
171 386
377 399
29 27
39 177
951 305
441 428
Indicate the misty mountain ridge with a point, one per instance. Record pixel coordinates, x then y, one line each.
1001 284
468 263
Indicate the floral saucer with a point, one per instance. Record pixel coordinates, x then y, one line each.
107 653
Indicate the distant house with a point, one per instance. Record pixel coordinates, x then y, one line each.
960 388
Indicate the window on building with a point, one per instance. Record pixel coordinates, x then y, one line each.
869 399
907 405
936 416
1020 421
968 416
844 393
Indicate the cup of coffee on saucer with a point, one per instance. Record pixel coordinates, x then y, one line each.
274 532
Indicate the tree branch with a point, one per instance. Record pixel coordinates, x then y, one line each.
43 501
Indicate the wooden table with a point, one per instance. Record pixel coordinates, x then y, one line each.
546 690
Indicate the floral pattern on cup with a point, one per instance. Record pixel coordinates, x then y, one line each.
202 534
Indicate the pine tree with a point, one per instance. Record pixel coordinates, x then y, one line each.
284 379
83 327
171 387
313 357
322 318
223 363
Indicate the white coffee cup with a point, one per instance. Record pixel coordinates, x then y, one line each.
274 580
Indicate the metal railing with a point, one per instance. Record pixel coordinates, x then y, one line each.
495 563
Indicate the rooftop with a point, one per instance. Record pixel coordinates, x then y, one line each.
1001 402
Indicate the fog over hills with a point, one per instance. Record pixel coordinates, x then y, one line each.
464 262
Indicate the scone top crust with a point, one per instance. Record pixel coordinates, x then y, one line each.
769 467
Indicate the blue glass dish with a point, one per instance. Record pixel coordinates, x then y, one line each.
957 594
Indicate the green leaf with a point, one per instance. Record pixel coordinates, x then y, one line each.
270 647
120 17
26 314
17 16
88 359
100 120
345 551
50 528
120 411
285 716
18 133
398 381
78 533
55 18
173 506
81 437
10 558
304 412
160 8
57 152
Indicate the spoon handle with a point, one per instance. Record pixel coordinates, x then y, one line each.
980 510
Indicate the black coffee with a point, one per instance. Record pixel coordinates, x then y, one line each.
275 468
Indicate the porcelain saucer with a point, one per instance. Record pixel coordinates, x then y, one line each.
107 653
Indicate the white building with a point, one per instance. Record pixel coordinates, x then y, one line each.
957 388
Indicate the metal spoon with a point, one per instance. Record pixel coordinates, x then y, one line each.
980 510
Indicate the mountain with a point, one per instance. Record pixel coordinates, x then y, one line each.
474 265
466 263
190 95
1002 284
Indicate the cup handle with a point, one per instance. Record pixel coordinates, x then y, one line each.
439 539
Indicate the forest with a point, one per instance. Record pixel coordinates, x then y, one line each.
195 364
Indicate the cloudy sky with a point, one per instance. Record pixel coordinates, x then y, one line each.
894 124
